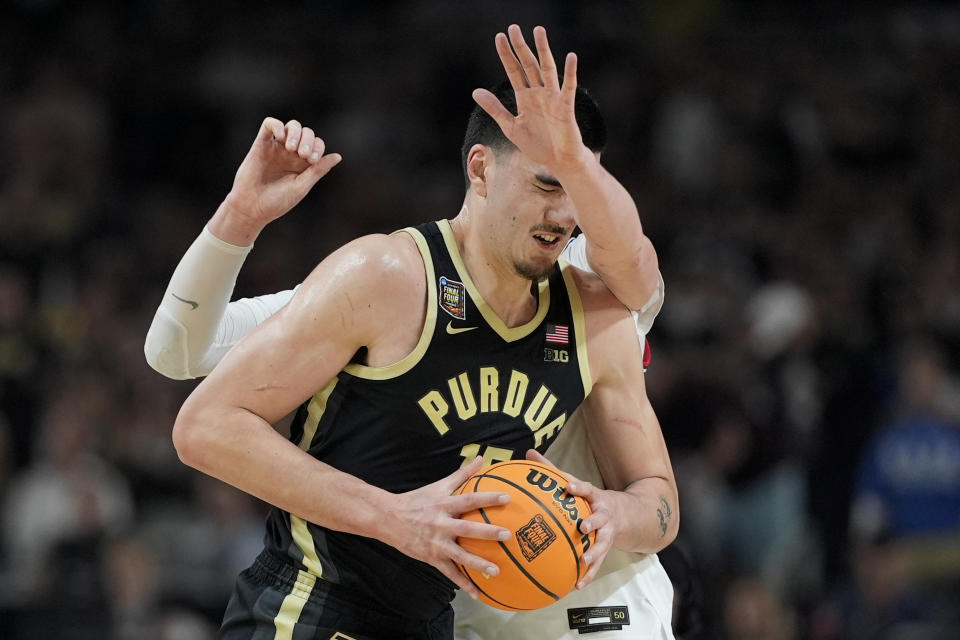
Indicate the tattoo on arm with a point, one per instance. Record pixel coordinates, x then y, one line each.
664 514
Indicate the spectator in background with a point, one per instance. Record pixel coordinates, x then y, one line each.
906 515
752 611
138 606
61 508
909 479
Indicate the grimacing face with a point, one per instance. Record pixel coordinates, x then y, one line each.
531 217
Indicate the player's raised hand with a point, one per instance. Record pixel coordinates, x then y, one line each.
430 525
545 127
283 164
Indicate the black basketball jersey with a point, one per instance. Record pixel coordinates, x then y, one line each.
471 386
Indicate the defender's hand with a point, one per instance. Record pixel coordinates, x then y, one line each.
431 524
545 127
283 164
603 503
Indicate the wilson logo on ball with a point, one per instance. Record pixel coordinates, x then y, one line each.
547 484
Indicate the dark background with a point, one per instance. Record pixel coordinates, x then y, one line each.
795 165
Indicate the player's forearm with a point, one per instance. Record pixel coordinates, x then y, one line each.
617 249
649 514
193 305
243 450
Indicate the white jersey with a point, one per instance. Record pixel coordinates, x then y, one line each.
631 596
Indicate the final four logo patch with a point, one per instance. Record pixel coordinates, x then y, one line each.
453 298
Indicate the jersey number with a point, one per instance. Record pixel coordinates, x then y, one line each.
489 454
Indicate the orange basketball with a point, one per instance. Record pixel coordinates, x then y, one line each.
540 562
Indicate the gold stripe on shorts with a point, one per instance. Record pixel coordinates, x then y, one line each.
292 606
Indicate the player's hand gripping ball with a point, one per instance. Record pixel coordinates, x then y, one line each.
540 563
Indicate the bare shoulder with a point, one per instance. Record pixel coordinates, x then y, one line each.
370 266
372 288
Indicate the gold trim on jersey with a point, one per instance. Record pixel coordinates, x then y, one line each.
505 332
318 404
304 541
579 326
426 334
292 606
298 526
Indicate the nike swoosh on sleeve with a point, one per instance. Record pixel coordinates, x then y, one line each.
193 304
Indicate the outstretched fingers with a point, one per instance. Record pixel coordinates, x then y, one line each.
569 89
515 73
471 501
495 109
458 555
548 66
458 528
531 67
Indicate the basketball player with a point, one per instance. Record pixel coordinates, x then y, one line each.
262 376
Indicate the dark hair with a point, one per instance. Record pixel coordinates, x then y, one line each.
482 129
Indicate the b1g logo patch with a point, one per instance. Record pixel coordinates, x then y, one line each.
453 297
534 537
555 355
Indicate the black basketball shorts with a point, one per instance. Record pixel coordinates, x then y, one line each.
273 600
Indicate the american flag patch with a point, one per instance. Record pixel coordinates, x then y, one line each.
558 333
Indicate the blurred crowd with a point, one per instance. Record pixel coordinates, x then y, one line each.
796 166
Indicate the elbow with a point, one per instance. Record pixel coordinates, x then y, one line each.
158 360
189 437
634 280
165 347
646 266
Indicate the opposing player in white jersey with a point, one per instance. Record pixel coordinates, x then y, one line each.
630 595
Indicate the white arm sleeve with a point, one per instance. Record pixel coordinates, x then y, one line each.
196 324
576 254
